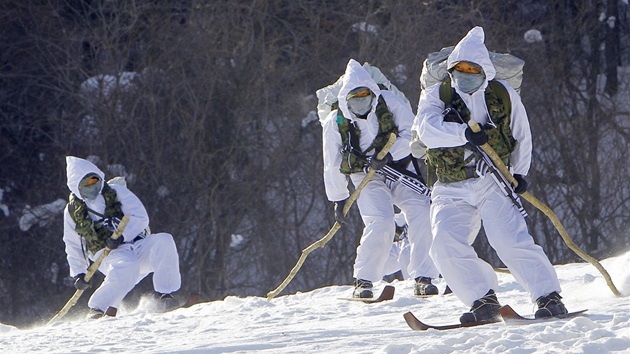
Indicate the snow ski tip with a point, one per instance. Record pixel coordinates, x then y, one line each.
509 314
386 294
414 323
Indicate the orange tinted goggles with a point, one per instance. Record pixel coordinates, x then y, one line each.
92 181
360 93
467 67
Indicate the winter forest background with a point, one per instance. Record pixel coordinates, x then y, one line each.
208 108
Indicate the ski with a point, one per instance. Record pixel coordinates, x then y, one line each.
511 316
386 294
414 323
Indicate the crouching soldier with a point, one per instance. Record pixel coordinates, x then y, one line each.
92 214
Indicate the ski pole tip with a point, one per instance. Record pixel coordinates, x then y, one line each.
271 295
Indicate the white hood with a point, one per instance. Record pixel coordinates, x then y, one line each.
77 169
356 76
472 49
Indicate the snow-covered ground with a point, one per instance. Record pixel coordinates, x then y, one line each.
317 322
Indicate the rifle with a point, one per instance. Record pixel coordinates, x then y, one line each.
499 178
413 183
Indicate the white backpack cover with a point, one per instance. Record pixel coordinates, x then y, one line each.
508 67
327 96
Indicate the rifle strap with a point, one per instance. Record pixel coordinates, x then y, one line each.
416 166
354 139
402 164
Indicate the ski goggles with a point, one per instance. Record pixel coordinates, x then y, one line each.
359 92
92 181
90 186
466 67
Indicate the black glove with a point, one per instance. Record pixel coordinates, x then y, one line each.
522 184
478 138
112 244
339 217
377 164
80 283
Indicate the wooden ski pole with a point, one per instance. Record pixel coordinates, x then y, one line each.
336 226
90 273
545 209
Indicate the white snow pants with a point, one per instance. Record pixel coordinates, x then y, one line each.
398 259
127 265
376 205
454 213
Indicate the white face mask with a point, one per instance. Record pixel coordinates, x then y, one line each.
360 106
467 82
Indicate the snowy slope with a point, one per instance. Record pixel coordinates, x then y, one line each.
316 322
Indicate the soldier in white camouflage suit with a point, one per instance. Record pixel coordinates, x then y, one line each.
464 192
92 214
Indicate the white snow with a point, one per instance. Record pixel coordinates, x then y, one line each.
365 27
317 322
236 240
310 117
41 215
3 207
532 36
104 84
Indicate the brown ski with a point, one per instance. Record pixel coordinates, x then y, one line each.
417 325
511 316
386 294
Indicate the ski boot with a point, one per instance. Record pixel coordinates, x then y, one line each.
166 302
424 287
362 289
484 310
550 306
94 314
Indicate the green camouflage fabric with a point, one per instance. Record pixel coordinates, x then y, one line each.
449 162
94 233
354 160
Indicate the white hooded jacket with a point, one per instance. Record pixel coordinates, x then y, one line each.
434 132
76 170
356 76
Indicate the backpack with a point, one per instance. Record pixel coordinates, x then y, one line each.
507 66
354 161
327 96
